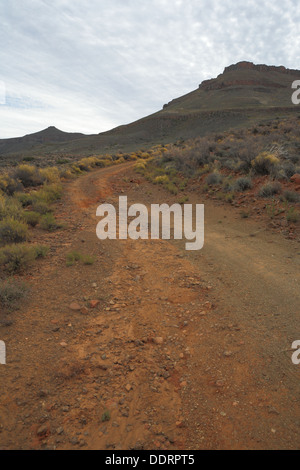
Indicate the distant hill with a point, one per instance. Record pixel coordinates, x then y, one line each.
31 141
242 95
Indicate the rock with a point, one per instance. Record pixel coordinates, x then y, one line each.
128 387
84 311
42 431
94 303
75 307
74 441
296 179
220 383
228 353
158 340
63 344
59 431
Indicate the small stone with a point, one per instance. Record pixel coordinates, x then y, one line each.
42 431
63 344
128 387
228 353
158 340
94 303
75 306
59 431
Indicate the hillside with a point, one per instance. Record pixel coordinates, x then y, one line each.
244 94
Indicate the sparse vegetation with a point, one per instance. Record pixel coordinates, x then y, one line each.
49 222
242 184
16 258
12 292
270 189
75 256
293 216
12 231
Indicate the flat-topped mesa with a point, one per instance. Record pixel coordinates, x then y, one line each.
259 76
244 65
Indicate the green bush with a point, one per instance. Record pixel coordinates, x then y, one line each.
31 218
213 179
49 193
242 184
25 199
48 222
16 258
265 163
41 207
28 175
88 260
11 294
75 256
12 231
270 189
10 207
72 258
291 196
293 215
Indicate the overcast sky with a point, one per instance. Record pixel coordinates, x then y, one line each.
91 65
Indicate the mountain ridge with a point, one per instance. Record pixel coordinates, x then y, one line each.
243 94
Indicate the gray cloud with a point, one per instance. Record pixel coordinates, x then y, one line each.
90 66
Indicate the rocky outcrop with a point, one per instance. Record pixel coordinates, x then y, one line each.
261 68
217 85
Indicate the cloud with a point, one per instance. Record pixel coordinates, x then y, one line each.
90 66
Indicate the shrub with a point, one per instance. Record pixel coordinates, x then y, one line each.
72 258
242 184
9 186
140 166
270 189
28 175
25 199
49 193
10 207
31 218
213 179
50 175
41 207
172 188
16 258
11 293
265 163
12 231
40 251
288 169
105 416
48 222
291 196
293 215
229 198
161 179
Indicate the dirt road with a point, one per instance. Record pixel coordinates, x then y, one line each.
185 350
